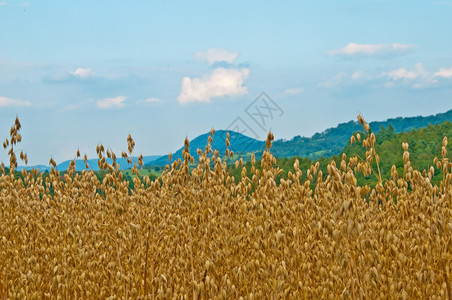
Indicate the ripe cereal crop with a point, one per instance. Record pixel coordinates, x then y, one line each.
198 233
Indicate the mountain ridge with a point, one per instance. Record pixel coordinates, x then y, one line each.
239 143
322 144
80 165
332 140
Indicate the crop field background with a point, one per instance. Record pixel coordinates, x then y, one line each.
195 232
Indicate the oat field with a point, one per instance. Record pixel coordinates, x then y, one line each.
198 233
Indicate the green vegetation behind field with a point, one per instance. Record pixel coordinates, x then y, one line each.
424 146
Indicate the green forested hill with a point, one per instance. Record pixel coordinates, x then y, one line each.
325 144
424 145
333 140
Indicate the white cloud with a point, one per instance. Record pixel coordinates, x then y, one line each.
221 82
116 102
354 79
403 73
294 91
4 102
217 55
152 100
372 50
418 76
445 73
83 73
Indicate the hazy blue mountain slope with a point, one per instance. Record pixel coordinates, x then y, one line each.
239 144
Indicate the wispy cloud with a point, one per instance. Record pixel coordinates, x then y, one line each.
5 102
447 3
79 75
83 73
403 73
107 103
417 77
294 91
445 73
372 50
335 81
217 55
221 82
24 4
150 101
358 75
77 105
352 80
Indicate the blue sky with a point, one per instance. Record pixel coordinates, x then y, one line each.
79 73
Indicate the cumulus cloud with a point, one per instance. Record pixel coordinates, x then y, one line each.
83 73
294 91
5 102
217 55
116 102
445 73
372 50
417 76
221 82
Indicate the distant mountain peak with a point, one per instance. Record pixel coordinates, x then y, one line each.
240 143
